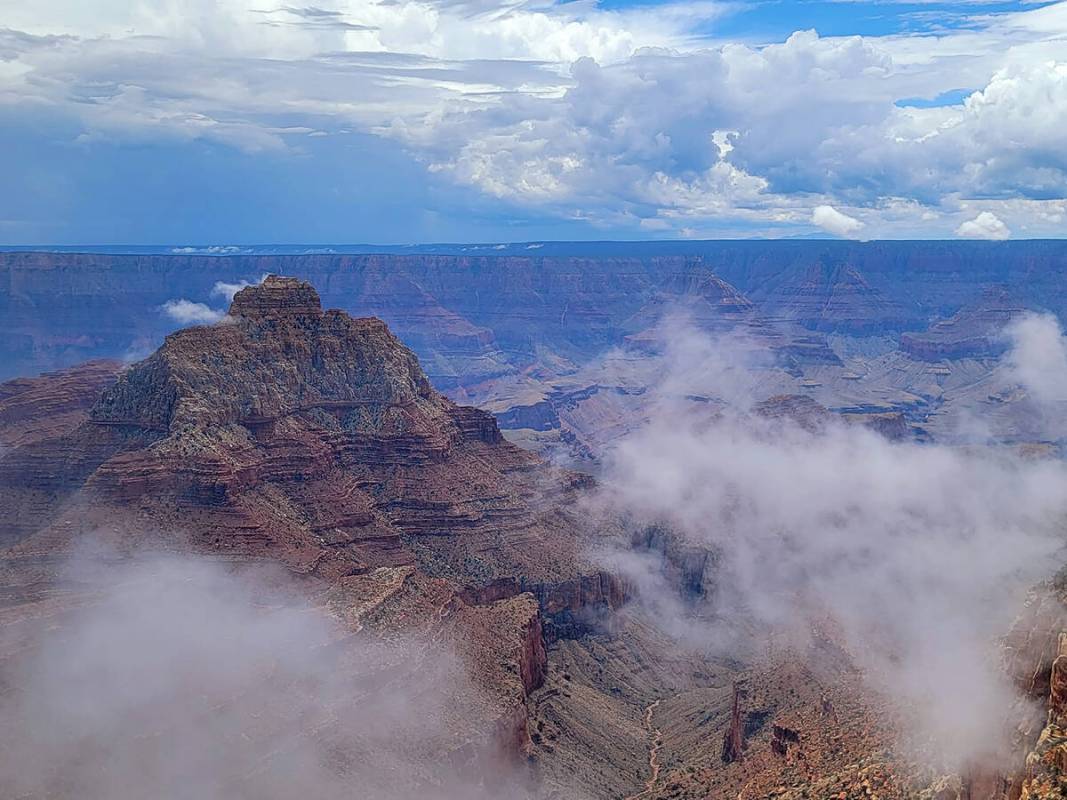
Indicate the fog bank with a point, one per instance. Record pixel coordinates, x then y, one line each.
174 677
921 554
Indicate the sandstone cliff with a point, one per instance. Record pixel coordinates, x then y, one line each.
309 438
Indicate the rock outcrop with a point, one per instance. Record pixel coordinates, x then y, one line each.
1045 774
1037 661
309 438
733 742
32 409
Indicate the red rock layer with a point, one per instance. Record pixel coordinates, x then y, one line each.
307 437
38 408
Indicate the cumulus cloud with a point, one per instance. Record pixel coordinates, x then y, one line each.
643 139
174 677
187 312
626 118
833 221
986 225
921 555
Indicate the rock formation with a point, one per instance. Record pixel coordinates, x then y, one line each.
316 440
783 739
976 331
312 439
733 742
309 436
37 408
1037 649
473 317
828 294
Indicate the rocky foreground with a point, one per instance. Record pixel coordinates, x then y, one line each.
307 438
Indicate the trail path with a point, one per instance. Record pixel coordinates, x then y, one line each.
655 742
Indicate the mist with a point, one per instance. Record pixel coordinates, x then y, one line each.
177 677
1037 361
920 555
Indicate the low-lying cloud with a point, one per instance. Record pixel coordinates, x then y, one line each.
833 221
172 677
188 312
1037 362
191 312
228 290
921 554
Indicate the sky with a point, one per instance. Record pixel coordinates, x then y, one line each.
397 121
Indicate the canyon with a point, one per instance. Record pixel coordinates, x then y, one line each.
414 438
554 338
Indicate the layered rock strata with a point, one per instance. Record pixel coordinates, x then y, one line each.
290 434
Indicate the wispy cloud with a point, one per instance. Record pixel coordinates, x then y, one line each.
920 555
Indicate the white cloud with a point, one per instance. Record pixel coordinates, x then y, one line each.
187 312
645 137
986 225
212 250
228 290
833 221
614 116
919 555
1037 361
190 680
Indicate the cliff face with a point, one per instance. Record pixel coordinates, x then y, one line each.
470 318
976 331
312 439
473 318
302 435
533 333
1046 765
306 435
1037 650
39 408
833 296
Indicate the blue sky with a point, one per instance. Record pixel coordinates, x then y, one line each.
774 20
237 121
